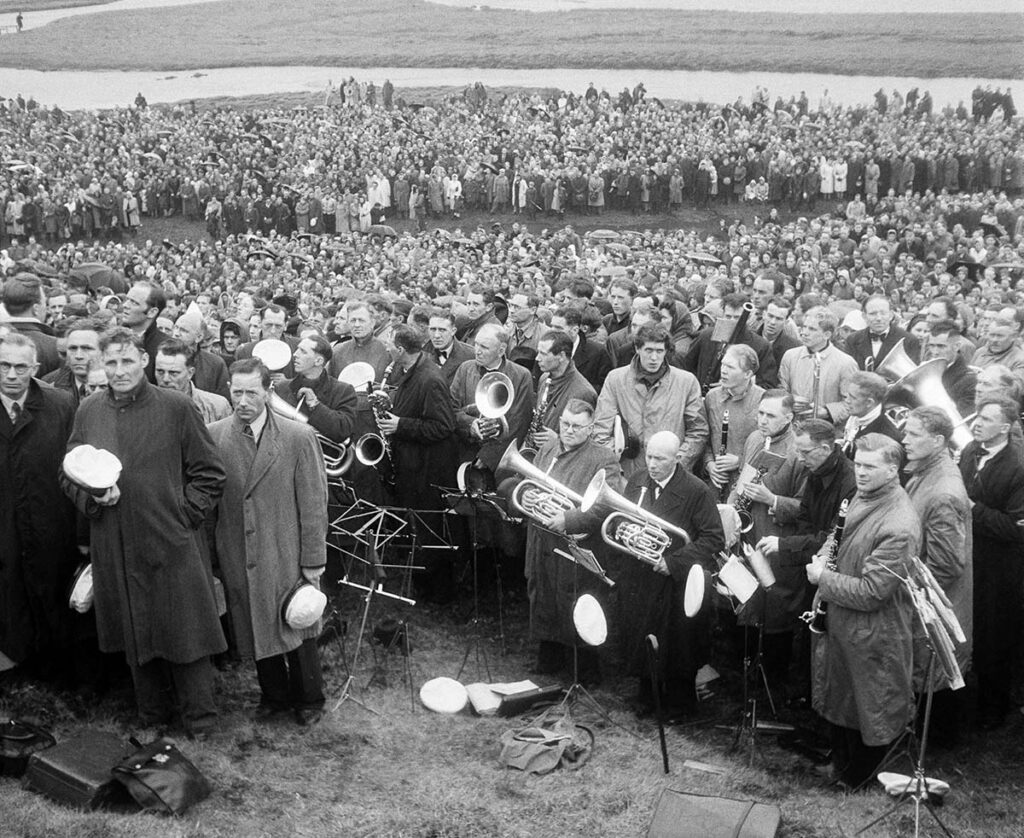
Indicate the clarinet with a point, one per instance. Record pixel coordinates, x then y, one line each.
817 617
529 449
723 491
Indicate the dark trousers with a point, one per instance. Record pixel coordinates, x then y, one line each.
293 679
854 762
161 686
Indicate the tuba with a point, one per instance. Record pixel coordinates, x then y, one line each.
538 496
337 455
493 399
922 385
628 527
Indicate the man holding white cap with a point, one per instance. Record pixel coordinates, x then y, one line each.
271 536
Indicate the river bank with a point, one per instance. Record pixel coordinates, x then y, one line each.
415 33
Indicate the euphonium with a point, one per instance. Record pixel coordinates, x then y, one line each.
817 617
922 385
539 496
629 527
337 456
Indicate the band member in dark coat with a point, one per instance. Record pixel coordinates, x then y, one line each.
863 398
448 353
560 382
650 599
958 379
993 472
82 345
329 405
37 521
868 347
590 358
153 584
553 583
704 357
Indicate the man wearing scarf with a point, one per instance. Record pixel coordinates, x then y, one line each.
560 382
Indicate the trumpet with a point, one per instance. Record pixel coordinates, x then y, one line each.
493 399
539 496
337 456
628 527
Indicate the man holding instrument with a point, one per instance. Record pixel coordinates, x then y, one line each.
650 598
553 583
863 661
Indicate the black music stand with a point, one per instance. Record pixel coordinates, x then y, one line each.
472 504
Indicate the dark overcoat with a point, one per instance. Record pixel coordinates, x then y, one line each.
271 522
153 585
37 523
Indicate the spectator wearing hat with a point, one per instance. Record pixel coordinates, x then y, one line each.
25 303
270 534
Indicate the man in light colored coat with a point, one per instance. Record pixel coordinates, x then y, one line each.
271 534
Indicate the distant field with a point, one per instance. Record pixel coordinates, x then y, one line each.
12 6
413 33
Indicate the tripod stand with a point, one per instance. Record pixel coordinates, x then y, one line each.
917 789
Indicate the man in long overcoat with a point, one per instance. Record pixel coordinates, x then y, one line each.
271 533
863 663
37 522
154 596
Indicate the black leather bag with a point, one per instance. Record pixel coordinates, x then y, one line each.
161 778
18 741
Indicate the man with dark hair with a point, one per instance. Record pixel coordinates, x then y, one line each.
448 353
777 328
175 370
479 310
25 303
270 530
864 397
648 396
329 405
868 347
142 306
621 294
81 345
273 322
525 329
864 662
559 383
37 523
154 597
943 308
705 354
621 346
937 491
589 356
1001 347
958 379
993 473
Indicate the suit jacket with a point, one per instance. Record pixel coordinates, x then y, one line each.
460 353
151 340
882 425
782 343
592 361
335 414
211 373
858 346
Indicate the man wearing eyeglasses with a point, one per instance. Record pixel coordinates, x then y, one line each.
553 583
37 523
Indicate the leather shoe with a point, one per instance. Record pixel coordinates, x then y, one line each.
308 716
269 712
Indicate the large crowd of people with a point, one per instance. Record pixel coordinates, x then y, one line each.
751 369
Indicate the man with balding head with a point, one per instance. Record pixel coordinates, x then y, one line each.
651 597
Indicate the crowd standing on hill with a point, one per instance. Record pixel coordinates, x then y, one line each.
873 227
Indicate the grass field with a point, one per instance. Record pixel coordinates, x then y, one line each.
13 6
413 33
409 773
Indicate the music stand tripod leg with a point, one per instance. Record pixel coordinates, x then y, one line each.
346 692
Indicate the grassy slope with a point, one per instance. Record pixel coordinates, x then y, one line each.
412 774
39 5
413 33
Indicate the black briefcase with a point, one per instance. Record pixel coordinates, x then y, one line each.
683 815
78 772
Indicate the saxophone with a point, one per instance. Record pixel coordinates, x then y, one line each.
817 617
372 448
742 505
529 449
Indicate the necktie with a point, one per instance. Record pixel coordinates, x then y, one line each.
247 430
15 413
81 391
657 491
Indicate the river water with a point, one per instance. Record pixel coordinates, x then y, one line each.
73 89
862 7
88 90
